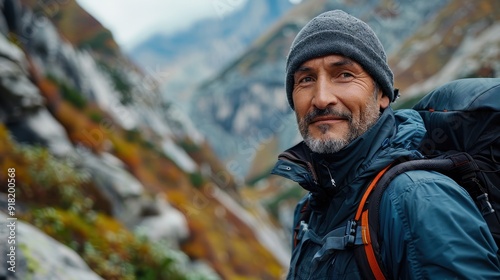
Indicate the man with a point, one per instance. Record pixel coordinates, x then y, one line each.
340 86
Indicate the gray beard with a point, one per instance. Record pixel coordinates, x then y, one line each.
333 145
325 146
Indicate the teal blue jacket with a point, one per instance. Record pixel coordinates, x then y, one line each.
429 226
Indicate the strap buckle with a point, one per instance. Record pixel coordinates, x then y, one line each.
350 233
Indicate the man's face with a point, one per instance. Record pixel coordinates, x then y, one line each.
335 102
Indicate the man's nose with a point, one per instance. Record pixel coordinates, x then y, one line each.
324 94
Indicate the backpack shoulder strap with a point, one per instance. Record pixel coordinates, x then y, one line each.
368 255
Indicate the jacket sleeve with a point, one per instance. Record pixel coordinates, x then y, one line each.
431 229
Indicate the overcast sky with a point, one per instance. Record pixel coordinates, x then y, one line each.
133 20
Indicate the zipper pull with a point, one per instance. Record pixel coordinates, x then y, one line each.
334 184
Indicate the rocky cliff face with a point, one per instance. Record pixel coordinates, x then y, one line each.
461 41
115 176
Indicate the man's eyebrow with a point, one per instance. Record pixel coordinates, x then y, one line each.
342 62
303 69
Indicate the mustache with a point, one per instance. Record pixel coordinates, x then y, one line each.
329 111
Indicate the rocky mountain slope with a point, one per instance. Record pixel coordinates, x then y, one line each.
462 41
110 181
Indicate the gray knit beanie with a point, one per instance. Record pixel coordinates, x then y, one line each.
336 32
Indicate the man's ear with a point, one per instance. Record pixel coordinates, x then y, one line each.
383 100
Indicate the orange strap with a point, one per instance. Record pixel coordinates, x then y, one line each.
365 230
368 192
370 254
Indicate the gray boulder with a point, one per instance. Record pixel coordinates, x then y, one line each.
46 259
166 225
123 190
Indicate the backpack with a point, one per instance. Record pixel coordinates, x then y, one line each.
462 119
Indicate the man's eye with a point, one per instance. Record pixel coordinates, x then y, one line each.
306 80
346 75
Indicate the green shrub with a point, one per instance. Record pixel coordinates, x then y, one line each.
120 83
196 179
107 247
69 93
